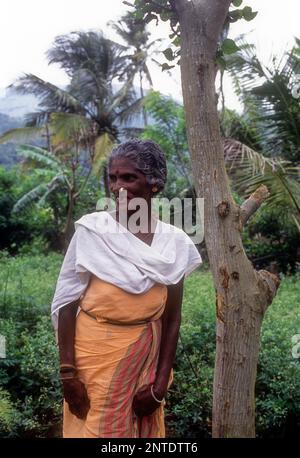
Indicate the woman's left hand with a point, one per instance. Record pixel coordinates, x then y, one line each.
143 402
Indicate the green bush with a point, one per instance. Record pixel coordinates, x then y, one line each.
272 238
30 374
190 397
8 413
22 228
30 370
278 380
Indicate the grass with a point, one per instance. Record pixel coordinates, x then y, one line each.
29 278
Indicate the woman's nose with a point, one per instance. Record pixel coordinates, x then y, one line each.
116 188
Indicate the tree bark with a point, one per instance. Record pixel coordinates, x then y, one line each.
69 226
106 181
242 294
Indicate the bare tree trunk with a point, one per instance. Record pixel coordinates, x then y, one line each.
69 226
142 96
106 181
242 294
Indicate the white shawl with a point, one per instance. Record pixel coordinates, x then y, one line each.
103 247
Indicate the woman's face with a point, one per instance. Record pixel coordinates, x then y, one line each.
124 174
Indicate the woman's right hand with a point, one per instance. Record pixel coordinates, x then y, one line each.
76 396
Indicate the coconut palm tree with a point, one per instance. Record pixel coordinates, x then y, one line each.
133 32
99 88
98 101
82 121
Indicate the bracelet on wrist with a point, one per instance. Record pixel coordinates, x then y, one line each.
154 397
68 376
67 366
67 370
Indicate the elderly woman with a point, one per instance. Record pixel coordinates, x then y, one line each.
117 306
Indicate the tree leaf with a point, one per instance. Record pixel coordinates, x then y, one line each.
249 14
22 134
166 66
168 53
40 155
235 15
149 17
237 3
229 46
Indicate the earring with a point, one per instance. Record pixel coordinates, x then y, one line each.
154 189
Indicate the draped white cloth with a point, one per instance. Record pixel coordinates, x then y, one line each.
103 247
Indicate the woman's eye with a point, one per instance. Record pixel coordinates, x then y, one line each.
128 177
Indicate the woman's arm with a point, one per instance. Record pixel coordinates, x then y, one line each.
171 320
144 403
66 333
74 390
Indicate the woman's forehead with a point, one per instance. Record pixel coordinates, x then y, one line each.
123 164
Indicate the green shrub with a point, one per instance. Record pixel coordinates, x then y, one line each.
8 413
30 373
27 285
190 396
30 370
278 380
272 238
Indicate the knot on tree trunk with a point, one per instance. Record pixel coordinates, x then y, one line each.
223 209
270 283
220 306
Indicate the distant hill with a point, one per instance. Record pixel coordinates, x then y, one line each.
17 105
8 155
14 107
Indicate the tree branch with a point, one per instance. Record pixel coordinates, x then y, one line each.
251 205
271 284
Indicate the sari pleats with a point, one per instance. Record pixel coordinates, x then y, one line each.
115 360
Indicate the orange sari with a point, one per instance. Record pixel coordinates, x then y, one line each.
117 345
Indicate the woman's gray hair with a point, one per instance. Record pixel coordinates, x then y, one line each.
148 158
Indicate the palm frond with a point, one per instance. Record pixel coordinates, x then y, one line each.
266 93
250 169
148 75
37 118
22 135
90 88
52 97
121 95
131 111
70 129
103 147
90 51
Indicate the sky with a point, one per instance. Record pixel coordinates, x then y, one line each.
28 28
